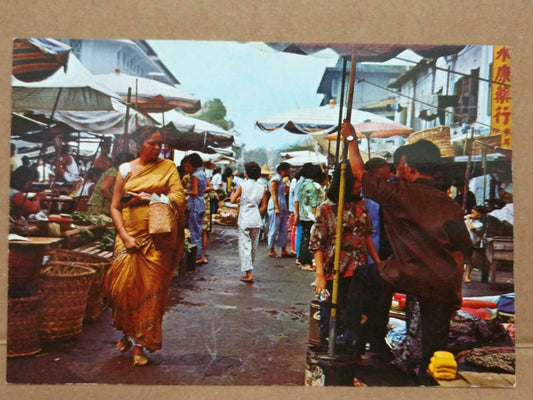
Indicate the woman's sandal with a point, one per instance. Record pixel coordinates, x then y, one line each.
140 361
124 344
245 279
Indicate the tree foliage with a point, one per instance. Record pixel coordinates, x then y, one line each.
214 112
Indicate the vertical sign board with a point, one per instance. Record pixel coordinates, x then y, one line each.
501 95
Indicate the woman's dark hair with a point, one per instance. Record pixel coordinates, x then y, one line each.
122 158
333 191
305 170
253 170
283 167
228 172
144 132
195 160
217 170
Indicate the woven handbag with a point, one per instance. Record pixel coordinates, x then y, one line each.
161 218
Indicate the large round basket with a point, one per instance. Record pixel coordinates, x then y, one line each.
24 266
95 303
63 290
23 326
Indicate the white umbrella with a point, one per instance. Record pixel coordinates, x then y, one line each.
70 89
187 133
149 95
322 119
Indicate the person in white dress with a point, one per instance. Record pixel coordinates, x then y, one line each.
252 201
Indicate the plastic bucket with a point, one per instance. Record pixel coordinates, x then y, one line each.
314 323
324 370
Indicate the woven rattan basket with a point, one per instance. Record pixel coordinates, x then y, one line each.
24 266
100 265
161 218
23 326
439 135
63 290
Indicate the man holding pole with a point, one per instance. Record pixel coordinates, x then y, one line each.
429 241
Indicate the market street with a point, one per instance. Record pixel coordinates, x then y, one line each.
217 331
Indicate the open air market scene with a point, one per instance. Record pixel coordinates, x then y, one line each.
256 213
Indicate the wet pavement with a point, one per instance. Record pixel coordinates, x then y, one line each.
217 331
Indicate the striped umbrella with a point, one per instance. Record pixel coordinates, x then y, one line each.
37 59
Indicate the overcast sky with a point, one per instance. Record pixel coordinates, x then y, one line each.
251 83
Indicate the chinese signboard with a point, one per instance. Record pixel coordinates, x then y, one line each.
501 95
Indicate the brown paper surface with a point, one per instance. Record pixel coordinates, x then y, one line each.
363 21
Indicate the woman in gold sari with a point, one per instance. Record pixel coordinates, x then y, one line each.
137 282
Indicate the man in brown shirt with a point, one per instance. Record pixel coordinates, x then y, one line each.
428 238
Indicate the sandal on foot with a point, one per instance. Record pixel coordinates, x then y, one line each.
124 344
140 361
245 279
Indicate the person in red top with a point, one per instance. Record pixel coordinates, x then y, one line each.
429 242
356 244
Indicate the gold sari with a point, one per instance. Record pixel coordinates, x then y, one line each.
137 283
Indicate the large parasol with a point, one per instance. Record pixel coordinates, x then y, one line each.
37 59
149 95
183 132
376 129
322 119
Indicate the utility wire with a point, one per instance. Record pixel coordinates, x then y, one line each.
452 71
423 102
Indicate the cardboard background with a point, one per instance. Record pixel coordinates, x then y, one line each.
363 21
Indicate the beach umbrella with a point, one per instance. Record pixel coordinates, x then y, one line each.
149 95
37 59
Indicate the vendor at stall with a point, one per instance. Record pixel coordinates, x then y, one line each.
67 169
23 204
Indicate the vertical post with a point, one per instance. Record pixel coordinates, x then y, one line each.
340 212
126 122
469 149
341 106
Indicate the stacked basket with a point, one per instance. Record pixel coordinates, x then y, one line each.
63 290
23 305
100 265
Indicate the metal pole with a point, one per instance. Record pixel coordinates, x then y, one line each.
340 211
341 106
469 149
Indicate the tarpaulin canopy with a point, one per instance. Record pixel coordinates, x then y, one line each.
73 89
108 122
37 59
186 133
322 119
149 95
365 52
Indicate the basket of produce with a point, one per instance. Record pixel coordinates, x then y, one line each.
100 265
63 290
227 214
23 326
